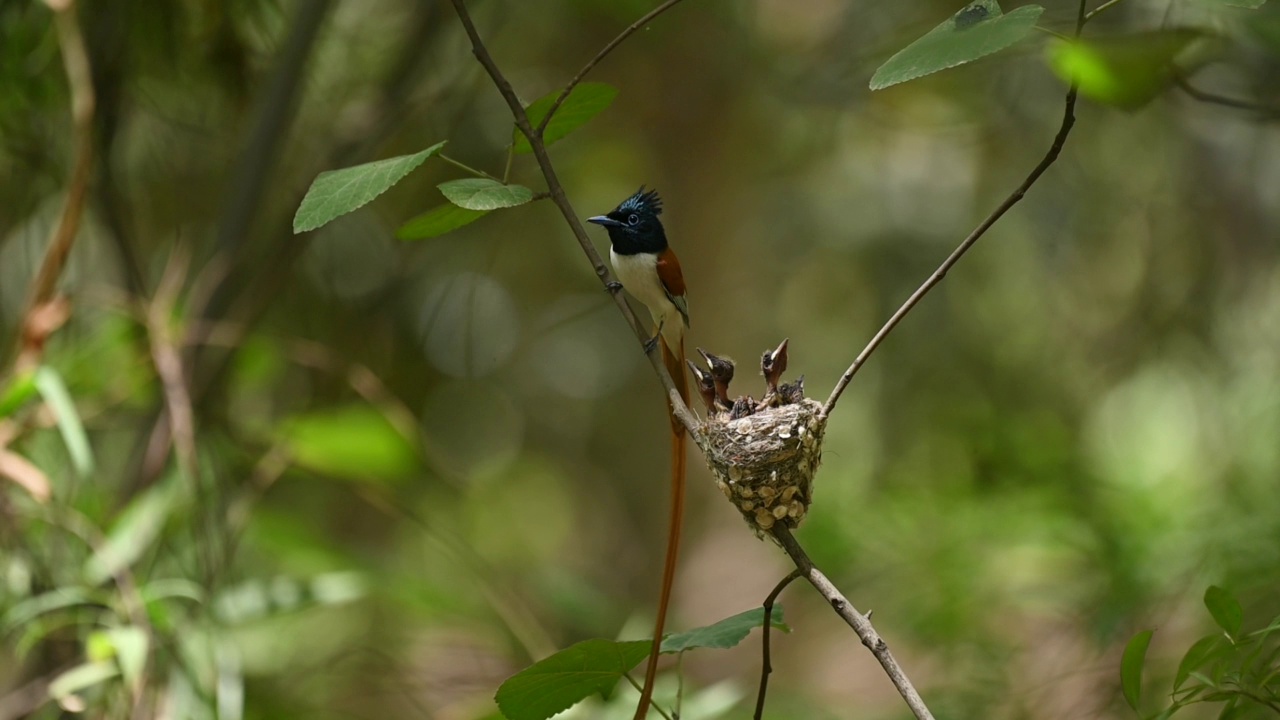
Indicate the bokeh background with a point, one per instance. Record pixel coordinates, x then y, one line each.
423 465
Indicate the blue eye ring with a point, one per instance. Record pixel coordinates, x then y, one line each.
633 219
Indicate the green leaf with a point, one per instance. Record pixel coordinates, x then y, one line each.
1225 609
54 392
1135 653
356 442
585 102
131 646
33 607
134 532
338 192
1127 71
438 221
1247 4
724 634
1196 656
485 194
977 30
17 392
81 677
552 685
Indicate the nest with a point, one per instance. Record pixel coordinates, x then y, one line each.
764 460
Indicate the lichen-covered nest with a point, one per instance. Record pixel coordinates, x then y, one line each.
765 462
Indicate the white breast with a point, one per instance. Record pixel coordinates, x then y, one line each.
639 275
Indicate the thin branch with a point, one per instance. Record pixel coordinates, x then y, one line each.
766 667
860 623
1266 111
564 94
75 60
1068 120
678 408
636 685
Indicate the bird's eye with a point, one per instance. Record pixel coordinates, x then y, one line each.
633 219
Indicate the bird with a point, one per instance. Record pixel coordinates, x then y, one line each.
649 270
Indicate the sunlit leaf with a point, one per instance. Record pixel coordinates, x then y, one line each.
1135 654
81 677
17 392
585 102
1196 656
133 533
356 442
977 30
483 194
1126 71
131 646
724 634
568 677
338 192
438 221
54 392
1225 609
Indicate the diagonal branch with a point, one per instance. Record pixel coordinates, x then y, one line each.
600 56
561 200
75 59
860 623
1068 120
1266 112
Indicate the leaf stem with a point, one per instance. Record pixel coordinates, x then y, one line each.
511 155
636 685
1100 9
468 168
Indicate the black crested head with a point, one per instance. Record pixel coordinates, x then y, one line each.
634 226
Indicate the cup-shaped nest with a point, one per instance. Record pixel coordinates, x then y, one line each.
765 462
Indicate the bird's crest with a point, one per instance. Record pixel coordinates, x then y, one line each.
642 202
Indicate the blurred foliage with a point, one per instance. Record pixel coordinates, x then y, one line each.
419 467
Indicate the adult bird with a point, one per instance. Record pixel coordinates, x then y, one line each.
649 270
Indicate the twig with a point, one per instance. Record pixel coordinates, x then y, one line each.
678 408
636 685
1185 85
75 59
1101 9
856 620
766 667
1068 120
564 94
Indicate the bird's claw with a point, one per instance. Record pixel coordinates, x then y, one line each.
651 344
613 286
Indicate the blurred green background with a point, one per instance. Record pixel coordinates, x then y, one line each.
420 466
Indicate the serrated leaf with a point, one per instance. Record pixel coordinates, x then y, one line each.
1135 654
133 533
977 30
723 634
337 192
1225 609
1196 656
80 677
1126 71
438 221
585 102
562 680
54 392
356 442
484 194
